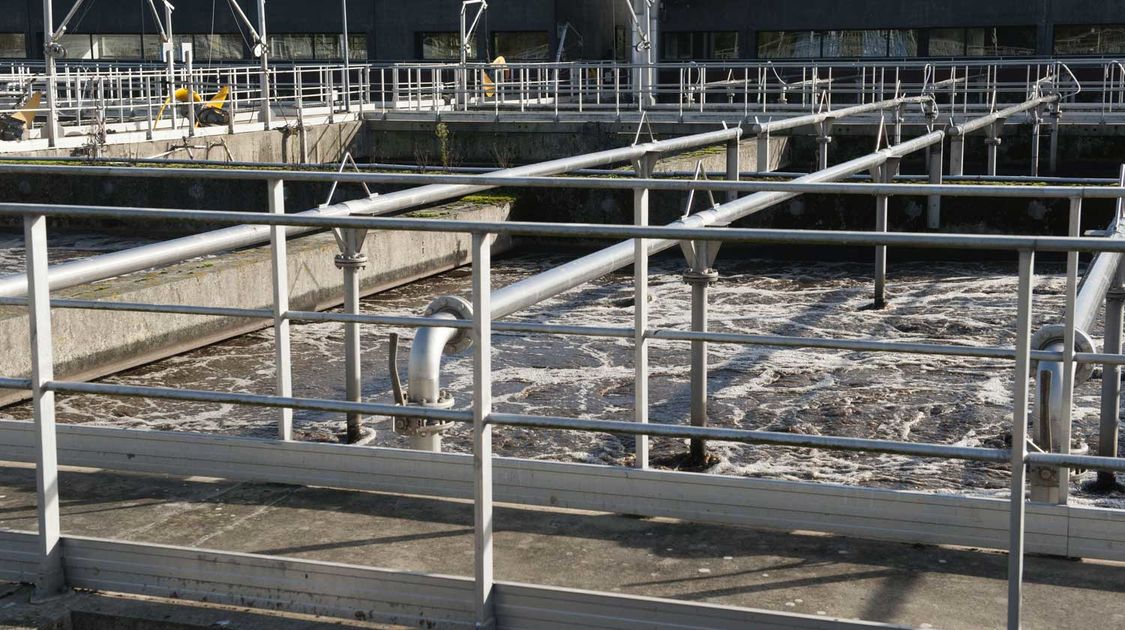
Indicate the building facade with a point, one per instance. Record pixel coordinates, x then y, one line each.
546 30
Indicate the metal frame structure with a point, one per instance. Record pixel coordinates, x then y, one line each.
126 96
55 560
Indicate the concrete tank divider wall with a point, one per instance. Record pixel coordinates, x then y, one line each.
91 344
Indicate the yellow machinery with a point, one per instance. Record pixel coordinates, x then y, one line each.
489 85
13 126
207 114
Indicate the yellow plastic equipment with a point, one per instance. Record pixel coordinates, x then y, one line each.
489 85
216 102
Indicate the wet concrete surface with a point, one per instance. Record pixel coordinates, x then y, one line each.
916 585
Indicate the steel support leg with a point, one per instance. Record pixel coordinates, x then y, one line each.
1109 427
1036 140
482 431
640 312
351 260
282 356
700 276
1053 155
52 580
764 152
823 139
885 173
993 142
734 167
933 202
956 156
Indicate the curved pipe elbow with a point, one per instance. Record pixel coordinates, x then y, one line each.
424 371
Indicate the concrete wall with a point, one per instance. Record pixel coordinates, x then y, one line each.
90 344
326 143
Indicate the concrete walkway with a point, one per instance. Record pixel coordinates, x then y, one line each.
916 585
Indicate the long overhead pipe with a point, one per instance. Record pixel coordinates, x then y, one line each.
429 343
168 252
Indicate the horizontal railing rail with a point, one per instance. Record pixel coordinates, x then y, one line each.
477 321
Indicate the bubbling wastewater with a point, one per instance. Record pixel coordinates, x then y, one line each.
949 400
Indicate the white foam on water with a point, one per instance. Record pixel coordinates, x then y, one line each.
950 400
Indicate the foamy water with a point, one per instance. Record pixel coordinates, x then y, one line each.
949 400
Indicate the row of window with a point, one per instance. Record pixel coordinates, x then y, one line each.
674 46
205 47
512 45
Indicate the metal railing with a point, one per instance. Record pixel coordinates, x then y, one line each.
51 553
119 98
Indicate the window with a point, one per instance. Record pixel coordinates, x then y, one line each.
291 47
1090 40
788 44
622 45
902 43
691 46
218 47
854 44
867 43
77 46
947 42
522 46
357 46
13 46
444 46
118 46
1000 41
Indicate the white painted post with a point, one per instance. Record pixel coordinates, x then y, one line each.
1019 437
51 580
482 431
282 356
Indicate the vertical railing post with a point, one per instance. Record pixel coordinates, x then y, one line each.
645 166
282 357
933 202
1019 438
482 430
51 580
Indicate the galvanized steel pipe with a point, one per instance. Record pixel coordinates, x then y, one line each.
168 252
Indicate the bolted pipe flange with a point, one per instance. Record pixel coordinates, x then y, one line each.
351 261
415 427
1054 333
460 308
707 276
